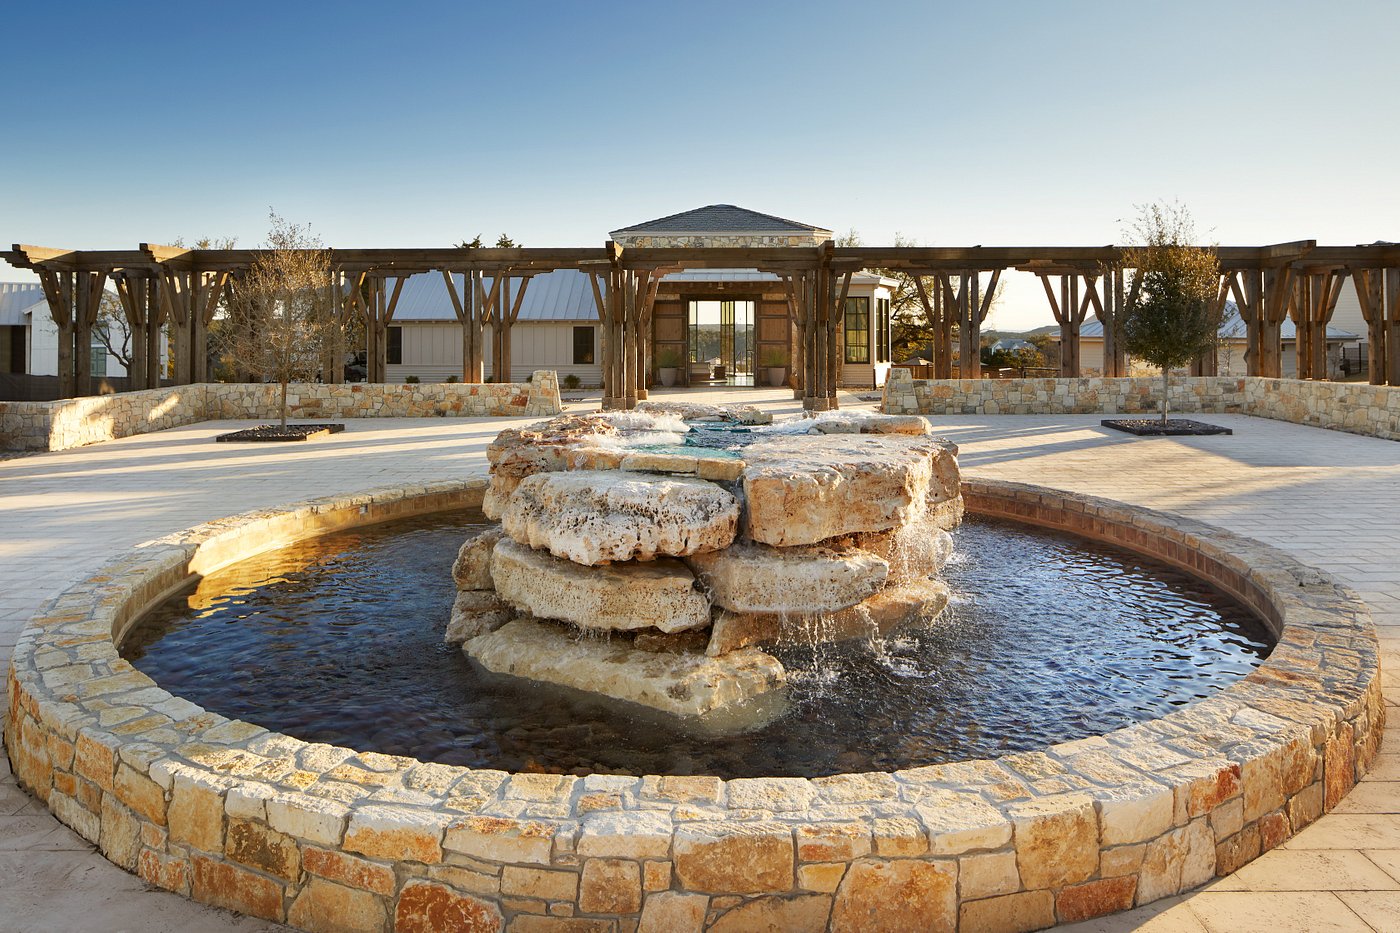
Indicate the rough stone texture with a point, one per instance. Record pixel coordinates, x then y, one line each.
472 568
1057 841
800 580
475 612
430 908
732 631
1011 913
899 895
610 886
734 858
914 551
673 912
801 914
799 492
653 594
1096 898
891 610
698 411
323 907
592 517
681 684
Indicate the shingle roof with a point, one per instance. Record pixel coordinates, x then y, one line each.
17 298
720 218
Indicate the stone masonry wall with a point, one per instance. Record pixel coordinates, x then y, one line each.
322 837
78 422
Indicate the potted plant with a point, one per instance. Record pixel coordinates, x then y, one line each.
668 360
775 360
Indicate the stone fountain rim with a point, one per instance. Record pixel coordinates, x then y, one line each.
65 671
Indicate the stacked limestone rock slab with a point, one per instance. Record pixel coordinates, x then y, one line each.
630 564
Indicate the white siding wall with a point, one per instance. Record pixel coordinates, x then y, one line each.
1347 315
433 351
42 347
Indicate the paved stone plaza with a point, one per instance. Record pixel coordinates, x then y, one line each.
1331 499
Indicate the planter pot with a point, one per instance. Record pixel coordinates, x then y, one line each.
777 375
667 375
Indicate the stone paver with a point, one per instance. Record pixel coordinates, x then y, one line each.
1332 499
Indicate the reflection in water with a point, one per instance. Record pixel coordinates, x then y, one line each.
1049 638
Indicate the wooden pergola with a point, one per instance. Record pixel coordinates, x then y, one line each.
162 286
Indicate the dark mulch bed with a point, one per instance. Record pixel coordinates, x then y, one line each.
1153 427
275 432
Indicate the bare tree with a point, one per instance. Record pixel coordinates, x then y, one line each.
113 330
282 314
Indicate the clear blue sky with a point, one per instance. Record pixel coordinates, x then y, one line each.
956 124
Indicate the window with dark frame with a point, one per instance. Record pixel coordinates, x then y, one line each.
583 346
857 330
393 349
882 330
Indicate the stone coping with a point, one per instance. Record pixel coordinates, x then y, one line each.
323 837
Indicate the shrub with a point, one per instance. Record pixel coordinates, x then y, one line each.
411 380
668 358
451 378
572 382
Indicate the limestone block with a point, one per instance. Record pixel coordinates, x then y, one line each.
916 550
805 913
697 411
655 594
681 684
595 516
734 858
475 612
797 580
424 907
731 631
472 569
904 894
801 492
1057 841
891 610
322 905
673 912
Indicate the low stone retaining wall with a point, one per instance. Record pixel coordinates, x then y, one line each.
321 837
77 422
1342 406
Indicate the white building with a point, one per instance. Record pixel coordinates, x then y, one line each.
29 337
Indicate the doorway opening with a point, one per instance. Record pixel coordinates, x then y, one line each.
721 343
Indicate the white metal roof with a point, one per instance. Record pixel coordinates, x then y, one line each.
18 299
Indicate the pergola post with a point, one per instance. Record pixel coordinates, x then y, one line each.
1070 310
1312 303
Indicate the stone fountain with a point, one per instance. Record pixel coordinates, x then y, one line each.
650 555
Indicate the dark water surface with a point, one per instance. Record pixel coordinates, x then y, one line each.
1048 638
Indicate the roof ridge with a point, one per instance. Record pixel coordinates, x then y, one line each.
716 224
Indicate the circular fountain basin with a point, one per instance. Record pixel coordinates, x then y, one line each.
232 814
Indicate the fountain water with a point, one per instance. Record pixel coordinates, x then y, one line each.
693 535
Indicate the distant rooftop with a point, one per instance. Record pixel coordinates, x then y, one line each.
720 219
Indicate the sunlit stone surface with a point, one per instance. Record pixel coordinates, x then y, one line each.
817 529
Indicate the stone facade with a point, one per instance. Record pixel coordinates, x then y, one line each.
1340 406
320 837
78 422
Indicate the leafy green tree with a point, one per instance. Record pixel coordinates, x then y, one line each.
1171 317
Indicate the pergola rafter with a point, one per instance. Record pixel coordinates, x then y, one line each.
180 288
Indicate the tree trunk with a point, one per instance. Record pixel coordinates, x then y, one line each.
1166 383
284 406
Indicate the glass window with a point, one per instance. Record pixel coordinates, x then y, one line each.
393 352
583 346
882 330
857 330
98 357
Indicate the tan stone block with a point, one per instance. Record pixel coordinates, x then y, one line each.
1305 806
1123 860
527 923
94 760
630 834
832 842
141 794
540 883
396 833
959 822
1238 850
673 912
988 875
1095 898
502 840
225 885
267 850
1177 861
822 877
1263 785
1273 830
323 907
1011 913
196 813
903 894
731 857
656 876
310 818
1228 818
1134 813
806 913
610 886
1339 769
424 907
900 837
346 869
121 833
169 872
1057 841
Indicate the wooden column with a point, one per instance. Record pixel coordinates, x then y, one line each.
1313 302
132 289
58 290
940 321
1392 325
1070 310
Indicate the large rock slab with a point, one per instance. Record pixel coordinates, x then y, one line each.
914 551
803 490
680 684
654 594
475 612
472 569
697 411
758 578
596 516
